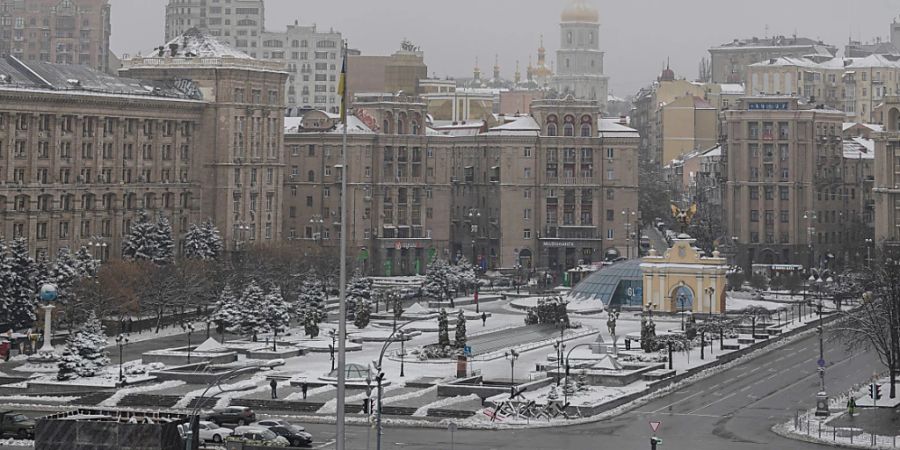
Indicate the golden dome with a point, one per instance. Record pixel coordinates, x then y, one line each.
580 11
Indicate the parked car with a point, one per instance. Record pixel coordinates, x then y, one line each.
257 435
209 431
238 415
16 424
295 434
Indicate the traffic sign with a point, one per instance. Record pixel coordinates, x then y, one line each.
452 427
655 426
821 363
467 351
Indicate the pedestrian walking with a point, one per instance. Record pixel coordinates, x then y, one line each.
484 319
274 385
304 388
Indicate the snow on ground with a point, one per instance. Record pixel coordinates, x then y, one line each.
152 334
444 402
41 399
16 443
330 407
297 396
121 393
261 386
409 395
252 383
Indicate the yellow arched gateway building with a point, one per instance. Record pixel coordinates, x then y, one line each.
683 279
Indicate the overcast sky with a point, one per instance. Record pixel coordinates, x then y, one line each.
637 35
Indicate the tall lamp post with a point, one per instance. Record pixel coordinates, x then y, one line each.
822 396
681 299
710 291
190 329
628 215
121 341
319 223
333 335
512 356
810 216
869 243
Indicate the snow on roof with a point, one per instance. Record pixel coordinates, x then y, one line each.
521 126
859 148
611 127
195 43
294 125
732 88
211 345
713 152
872 126
612 99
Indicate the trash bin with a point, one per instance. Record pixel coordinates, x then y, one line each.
4 349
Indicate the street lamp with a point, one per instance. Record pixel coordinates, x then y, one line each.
558 346
402 352
190 329
333 335
318 222
512 356
822 396
99 245
681 299
241 228
869 243
809 216
121 341
710 291
628 215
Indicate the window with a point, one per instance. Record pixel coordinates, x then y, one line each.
754 215
64 230
784 216
309 201
783 193
610 234
527 193
610 153
311 176
526 214
526 233
526 152
527 172
610 194
610 215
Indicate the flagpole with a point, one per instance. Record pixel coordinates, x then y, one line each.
342 309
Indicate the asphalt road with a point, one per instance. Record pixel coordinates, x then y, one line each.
732 410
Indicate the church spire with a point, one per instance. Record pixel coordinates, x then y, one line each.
477 73
518 75
496 67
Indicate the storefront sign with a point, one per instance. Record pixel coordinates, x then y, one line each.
559 244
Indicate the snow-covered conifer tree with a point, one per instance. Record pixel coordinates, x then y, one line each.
141 243
86 350
461 329
226 313
85 264
311 298
439 281
19 272
443 329
203 242
251 316
363 314
165 246
277 311
359 290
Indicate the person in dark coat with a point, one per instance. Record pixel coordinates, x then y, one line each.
304 388
274 385
484 319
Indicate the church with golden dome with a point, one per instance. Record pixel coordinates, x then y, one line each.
579 60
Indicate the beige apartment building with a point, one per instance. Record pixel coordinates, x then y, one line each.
57 31
854 85
399 72
796 193
729 61
887 176
678 117
544 190
195 133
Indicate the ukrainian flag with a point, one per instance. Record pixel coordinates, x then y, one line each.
342 86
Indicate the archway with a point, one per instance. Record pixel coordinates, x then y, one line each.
525 258
682 298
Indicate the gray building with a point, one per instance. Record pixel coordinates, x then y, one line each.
729 61
313 57
579 59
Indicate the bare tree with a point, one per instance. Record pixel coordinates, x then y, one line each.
875 324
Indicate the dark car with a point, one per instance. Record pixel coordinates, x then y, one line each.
295 434
237 415
16 424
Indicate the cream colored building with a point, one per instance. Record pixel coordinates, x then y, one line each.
853 85
796 192
687 124
542 190
193 134
683 279
887 177
729 61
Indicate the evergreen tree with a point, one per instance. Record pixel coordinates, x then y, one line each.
43 272
85 264
276 312
439 281
141 242
461 329
465 275
165 247
310 324
251 312
311 298
226 312
203 242
359 291
86 351
65 269
363 314
443 329
19 288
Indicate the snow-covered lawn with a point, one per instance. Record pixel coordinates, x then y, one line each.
121 393
39 399
445 402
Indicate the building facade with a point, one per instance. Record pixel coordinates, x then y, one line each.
57 31
887 176
579 60
399 72
545 190
311 56
794 193
854 85
194 133
729 61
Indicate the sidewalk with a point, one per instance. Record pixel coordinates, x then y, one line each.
879 421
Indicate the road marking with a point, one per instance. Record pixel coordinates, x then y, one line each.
327 444
679 401
746 388
713 403
712 416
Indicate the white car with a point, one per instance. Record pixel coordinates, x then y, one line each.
249 434
209 431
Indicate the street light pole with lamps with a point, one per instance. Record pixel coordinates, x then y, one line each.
628 216
809 216
121 341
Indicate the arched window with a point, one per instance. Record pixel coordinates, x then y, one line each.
585 130
569 37
551 129
311 176
414 127
400 127
569 129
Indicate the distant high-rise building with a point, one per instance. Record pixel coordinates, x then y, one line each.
57 31
312 57
579 60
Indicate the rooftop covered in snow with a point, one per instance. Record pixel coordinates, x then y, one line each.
198 48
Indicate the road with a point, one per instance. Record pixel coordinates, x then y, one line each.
732 410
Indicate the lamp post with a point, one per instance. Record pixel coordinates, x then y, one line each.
810 216
331 347
710 291
512 356
240 228
190 329
121 341
402 352
319 223
869 243
822 396
628 215
681 300
566 394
